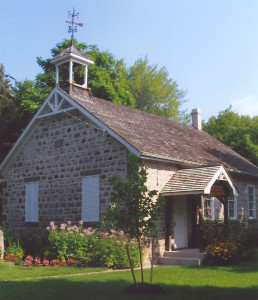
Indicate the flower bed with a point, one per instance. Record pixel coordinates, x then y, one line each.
72 244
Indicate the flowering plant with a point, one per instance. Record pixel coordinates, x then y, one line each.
28 261
72 244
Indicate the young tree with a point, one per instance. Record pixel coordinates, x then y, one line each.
155 92
134 208
238 132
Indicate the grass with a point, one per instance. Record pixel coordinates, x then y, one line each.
180 282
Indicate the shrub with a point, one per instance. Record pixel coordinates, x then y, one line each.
225 253
14 252
73 244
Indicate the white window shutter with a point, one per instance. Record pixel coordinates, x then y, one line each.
90 198
31 202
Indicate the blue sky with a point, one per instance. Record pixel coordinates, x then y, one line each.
210 47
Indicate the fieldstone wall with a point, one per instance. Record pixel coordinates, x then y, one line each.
159 174
61 150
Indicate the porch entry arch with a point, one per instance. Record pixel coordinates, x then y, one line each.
186 190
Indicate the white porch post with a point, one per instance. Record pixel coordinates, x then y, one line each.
70 71
85 76
57 74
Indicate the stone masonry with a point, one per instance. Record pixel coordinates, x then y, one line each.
61 150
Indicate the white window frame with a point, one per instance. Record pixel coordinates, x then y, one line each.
232 199
90 198
32 201
253 216
212 210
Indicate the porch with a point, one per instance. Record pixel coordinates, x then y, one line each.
185 195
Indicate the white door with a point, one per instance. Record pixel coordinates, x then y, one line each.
180 223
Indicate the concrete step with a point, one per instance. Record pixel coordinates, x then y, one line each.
186 254
182 257
179 261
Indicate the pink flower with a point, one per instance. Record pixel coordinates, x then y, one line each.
69 222
53 262
70 261
52 224
81 222
48 228
62 226
45 262
112 230
28 261
37 261
120 233
104 234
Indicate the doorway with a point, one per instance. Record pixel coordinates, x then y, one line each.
180 223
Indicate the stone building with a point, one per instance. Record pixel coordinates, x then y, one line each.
58 169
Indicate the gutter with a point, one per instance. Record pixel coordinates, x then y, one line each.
242 172
149 156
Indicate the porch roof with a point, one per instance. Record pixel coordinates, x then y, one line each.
196 181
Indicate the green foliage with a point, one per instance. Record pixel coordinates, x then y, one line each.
155 92
226 244
228 252
133 207
236 131
90 247
14 252
107 77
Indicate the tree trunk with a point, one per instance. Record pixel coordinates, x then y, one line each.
131 265
140 251
152 256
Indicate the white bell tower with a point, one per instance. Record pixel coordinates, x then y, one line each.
71 62
75 62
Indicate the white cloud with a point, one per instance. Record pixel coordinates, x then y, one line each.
246 106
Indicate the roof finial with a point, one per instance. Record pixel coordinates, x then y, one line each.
73 27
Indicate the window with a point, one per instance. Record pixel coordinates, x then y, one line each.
232 207
90 198
209 208
251 202
31 202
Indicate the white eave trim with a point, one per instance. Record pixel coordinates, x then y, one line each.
179 193
74 57
30 127
215 177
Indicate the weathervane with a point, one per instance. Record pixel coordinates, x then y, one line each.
73 27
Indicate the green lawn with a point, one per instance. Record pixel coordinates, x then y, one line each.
181 282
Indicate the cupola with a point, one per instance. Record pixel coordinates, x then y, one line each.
72 66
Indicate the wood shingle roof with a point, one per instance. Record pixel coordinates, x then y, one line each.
157 137
195 181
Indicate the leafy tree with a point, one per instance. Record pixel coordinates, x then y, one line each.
155 92
238 132
12 115
134 208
